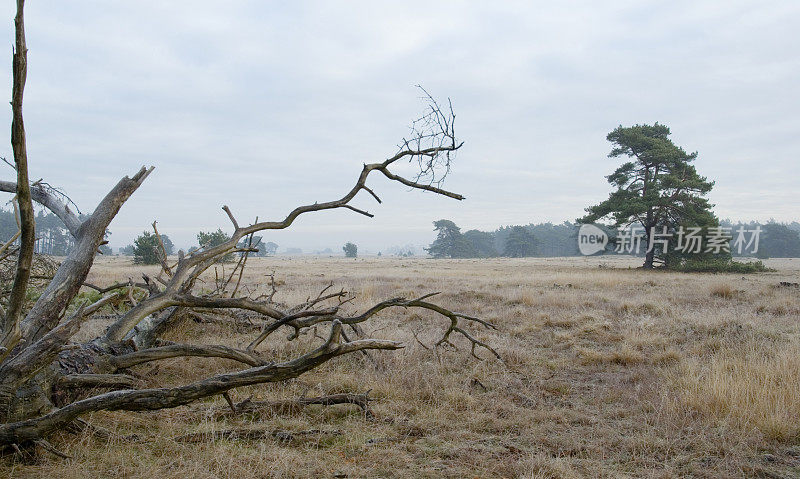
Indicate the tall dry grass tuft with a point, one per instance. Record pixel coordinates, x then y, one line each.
754 389
722 290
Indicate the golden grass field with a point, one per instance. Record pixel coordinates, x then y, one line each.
609 371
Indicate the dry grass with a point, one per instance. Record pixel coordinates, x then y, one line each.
722 290
755 389
610 372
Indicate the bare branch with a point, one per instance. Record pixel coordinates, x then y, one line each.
310 320
243 261
251 435
231 217
374 195
359 211
106 289
98 380
50 198
250 407
183 350
329 313
154 399
162 257
51 449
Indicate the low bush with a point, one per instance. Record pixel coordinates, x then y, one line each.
720 266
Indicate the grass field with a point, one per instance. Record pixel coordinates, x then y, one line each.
608 371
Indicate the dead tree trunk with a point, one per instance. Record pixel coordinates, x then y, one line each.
16 299
47 382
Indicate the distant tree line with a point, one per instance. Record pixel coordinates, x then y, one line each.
776 240
52 237
544 239
404 251
146 248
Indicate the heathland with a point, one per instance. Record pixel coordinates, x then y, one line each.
607 371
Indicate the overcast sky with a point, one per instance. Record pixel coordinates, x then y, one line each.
266 105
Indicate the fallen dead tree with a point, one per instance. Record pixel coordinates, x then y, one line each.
47 382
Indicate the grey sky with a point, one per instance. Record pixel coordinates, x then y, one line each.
266 105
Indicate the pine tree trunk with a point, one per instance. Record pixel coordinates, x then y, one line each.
648 259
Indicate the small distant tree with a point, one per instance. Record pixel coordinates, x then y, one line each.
146 249
520 243
350 250
214 238
104 249
449 242
126 250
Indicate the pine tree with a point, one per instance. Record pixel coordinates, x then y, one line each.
350 250
450 243
658 188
